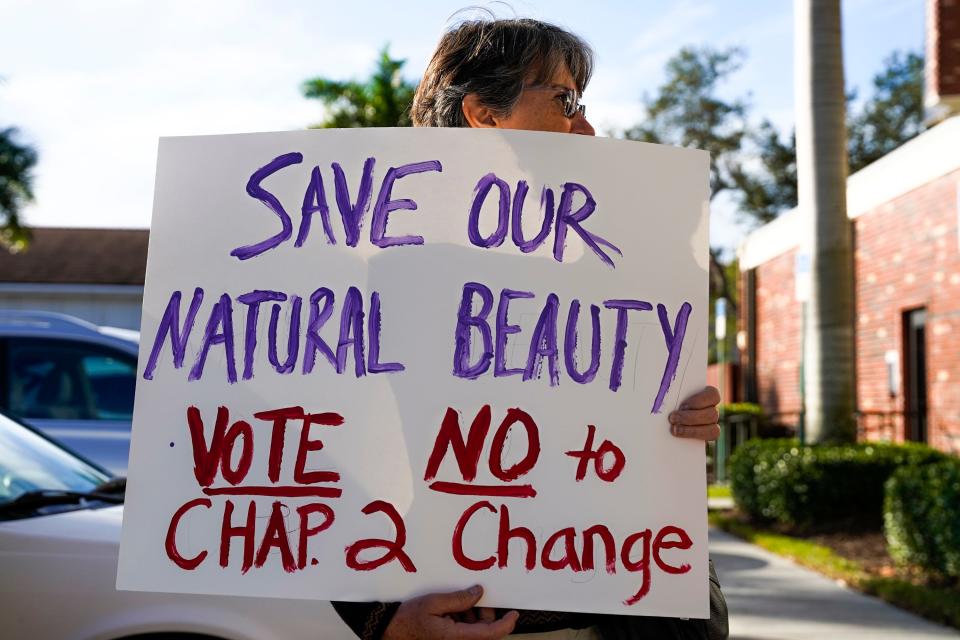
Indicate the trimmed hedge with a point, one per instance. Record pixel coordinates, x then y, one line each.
821 485
742 469
922 516
742 409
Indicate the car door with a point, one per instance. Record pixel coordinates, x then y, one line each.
79 393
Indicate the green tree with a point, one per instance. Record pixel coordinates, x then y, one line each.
892 115
763 195
383 100
687 111
16 180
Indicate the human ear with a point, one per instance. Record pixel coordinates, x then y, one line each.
477 114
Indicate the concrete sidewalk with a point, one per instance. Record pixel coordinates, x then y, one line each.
771 598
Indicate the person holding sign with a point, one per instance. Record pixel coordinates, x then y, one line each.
523 74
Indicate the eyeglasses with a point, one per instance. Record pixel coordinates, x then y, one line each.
568 97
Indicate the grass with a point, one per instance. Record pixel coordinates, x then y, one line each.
804 552
718 491
939 604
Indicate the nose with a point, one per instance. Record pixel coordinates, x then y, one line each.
582 126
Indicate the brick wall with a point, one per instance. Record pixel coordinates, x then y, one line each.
778 325
907 257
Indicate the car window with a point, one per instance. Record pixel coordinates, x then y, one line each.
29 462
63 380
112 383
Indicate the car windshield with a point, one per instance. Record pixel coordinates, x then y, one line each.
31 463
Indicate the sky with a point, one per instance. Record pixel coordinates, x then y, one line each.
93 84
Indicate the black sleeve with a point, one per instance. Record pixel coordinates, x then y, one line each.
634 627
367 619
718 624
533 621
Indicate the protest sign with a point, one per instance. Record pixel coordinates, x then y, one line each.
381 363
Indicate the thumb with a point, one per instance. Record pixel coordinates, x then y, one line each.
453 601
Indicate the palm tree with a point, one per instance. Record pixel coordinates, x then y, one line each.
16 163
381 101
828 372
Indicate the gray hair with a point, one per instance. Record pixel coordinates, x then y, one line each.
494 59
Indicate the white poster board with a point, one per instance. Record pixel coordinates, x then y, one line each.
361 379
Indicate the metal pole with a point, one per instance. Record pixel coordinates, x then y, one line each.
720 331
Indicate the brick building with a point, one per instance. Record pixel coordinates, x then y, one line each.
904 210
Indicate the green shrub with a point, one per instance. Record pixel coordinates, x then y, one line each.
742 470
742 409
822 485
922 516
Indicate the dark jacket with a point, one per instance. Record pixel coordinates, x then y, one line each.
369 620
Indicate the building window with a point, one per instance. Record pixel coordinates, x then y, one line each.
915 374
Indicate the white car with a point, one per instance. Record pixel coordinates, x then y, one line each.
59 541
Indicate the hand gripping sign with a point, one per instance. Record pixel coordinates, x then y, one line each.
380 363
